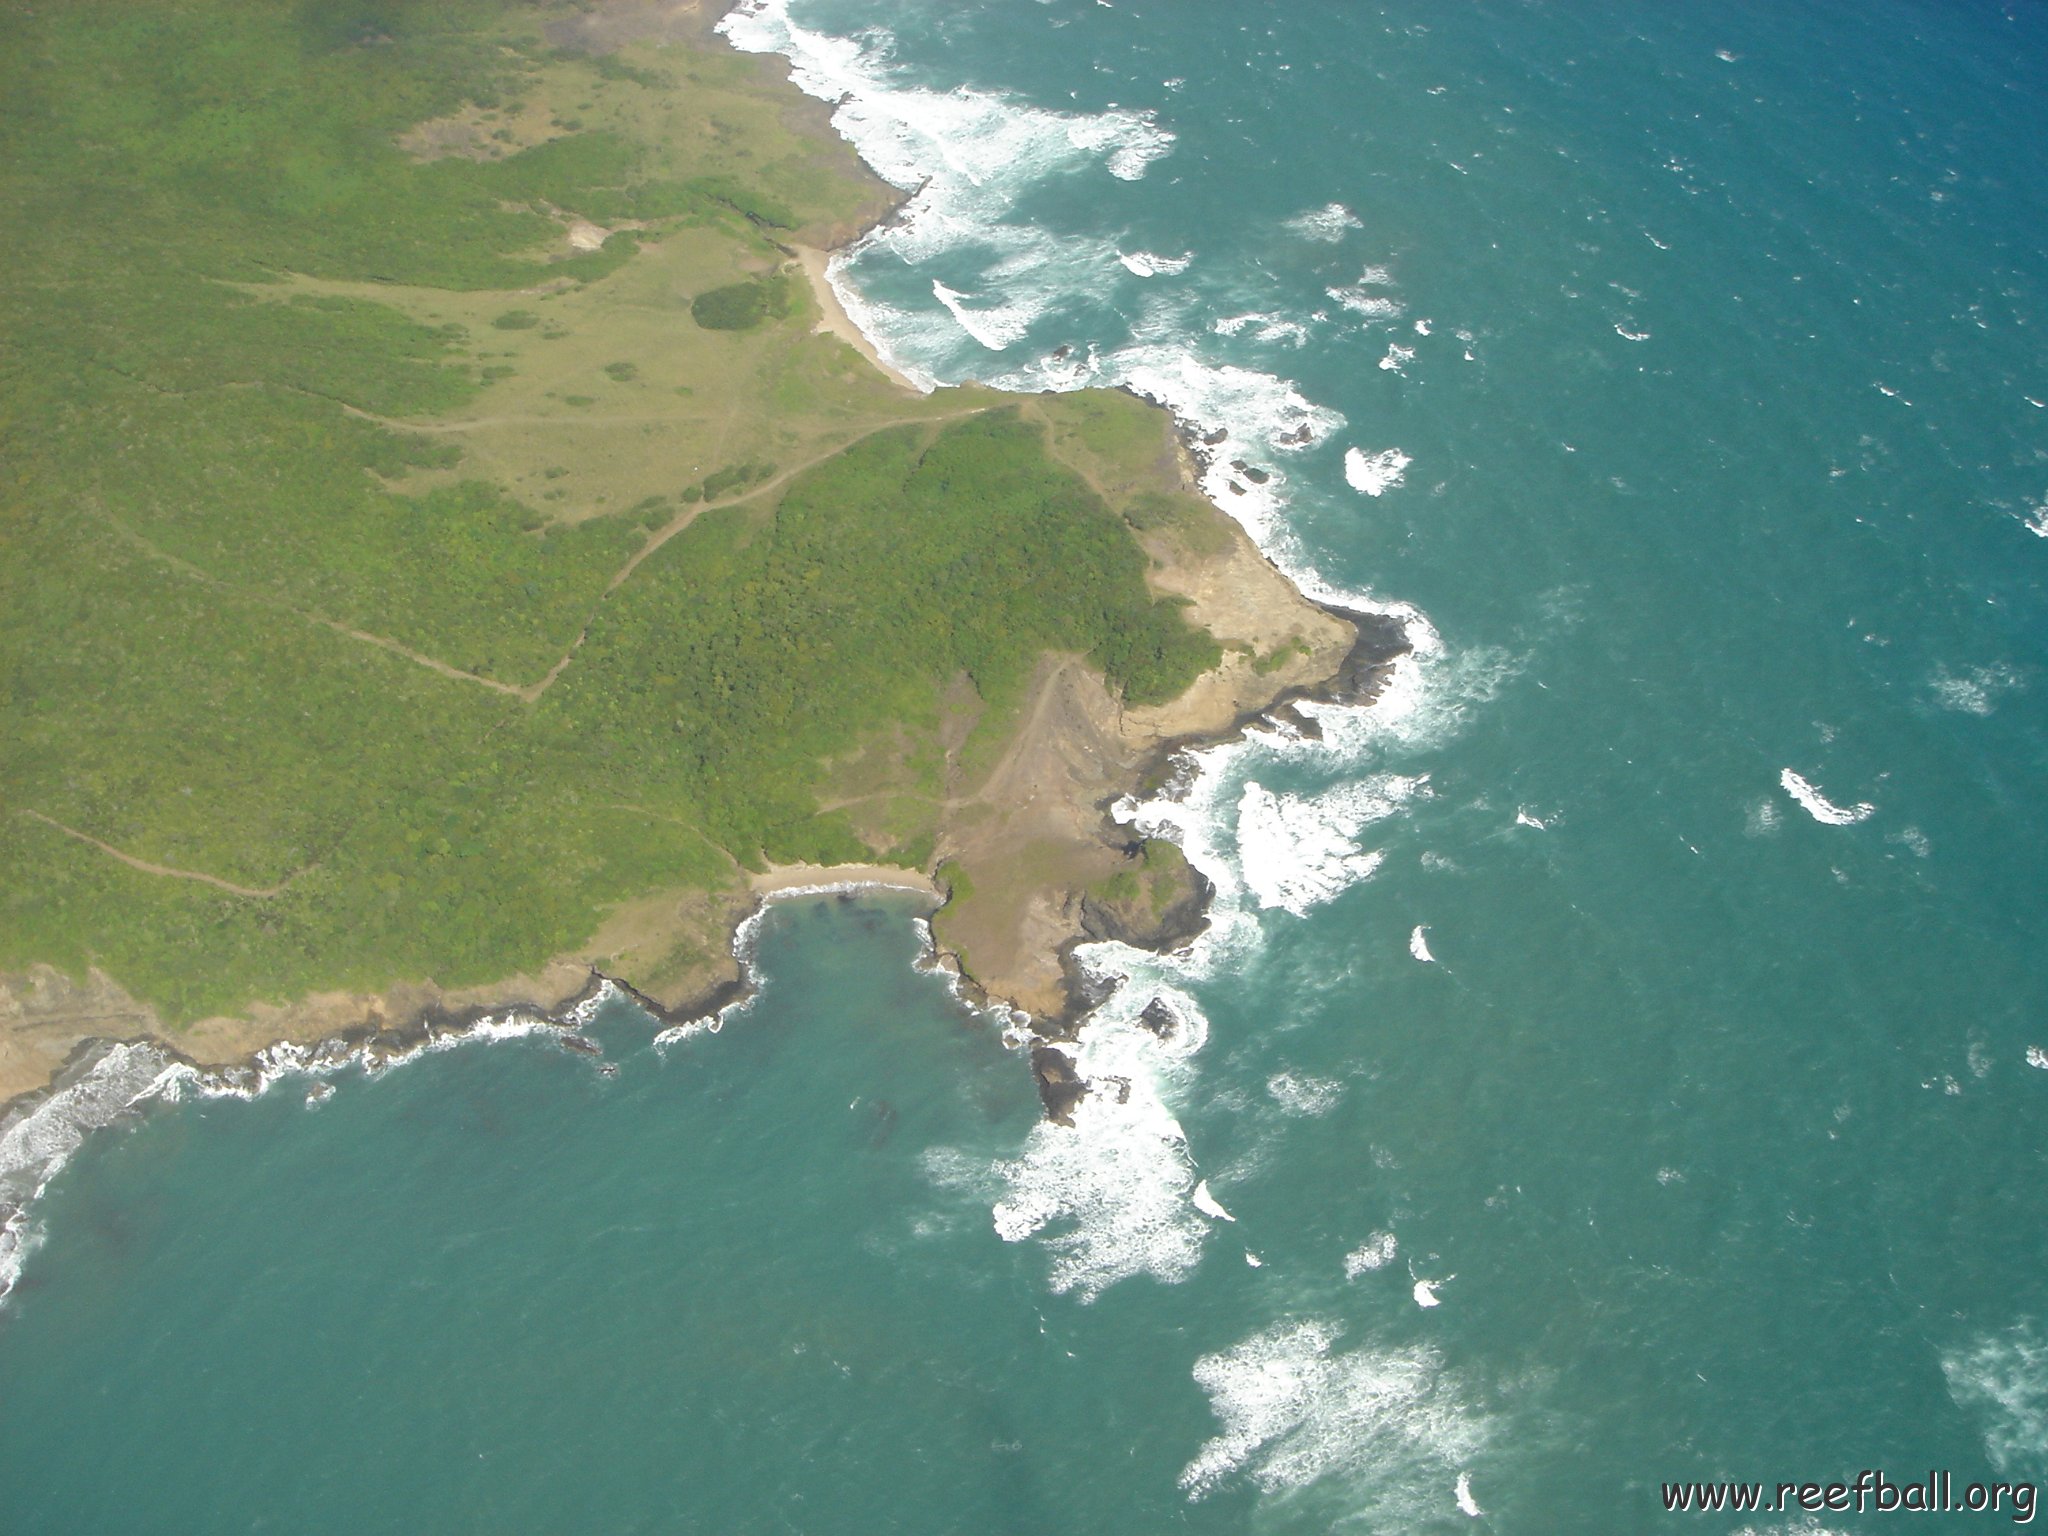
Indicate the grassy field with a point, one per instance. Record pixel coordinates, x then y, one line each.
397 571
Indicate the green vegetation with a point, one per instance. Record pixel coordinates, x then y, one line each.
1121 887
780 640
952 879
732 478
280 582
742 306
1147 887
1277 658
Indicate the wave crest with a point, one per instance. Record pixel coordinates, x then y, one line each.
1389 1423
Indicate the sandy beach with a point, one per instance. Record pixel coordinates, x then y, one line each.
779 879
834 321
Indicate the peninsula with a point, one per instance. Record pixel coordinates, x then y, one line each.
454 546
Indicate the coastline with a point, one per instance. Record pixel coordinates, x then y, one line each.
53 1027
395 1020
834 320
102 1079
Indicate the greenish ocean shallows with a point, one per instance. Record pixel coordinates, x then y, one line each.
1622 1053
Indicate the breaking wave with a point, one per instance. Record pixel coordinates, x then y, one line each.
36 1140
2001 1381
1022 307
1819 806
1330 223
1375 474
1293 1410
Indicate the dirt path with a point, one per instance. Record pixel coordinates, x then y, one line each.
675 525
164 869
689 515
1013 780
530 692
432 664
480 423
382 642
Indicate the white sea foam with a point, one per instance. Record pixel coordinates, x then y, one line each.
1110 1197
1418 944
997 326
1298 851
1398 358
1375 1253
37 1140
2001 1381
2036 521
1330 223
1426 1291
1913 840
1254 409
1207 1203
1375 474
918 138
964 156
1462 1496
688 1029
878 322
286 1059
1262 327
1388 1424
1253 406
1301 1093
1361 300
2037 1057
1426 700
1293 848
1146 264
1974 692
1819 807
746 950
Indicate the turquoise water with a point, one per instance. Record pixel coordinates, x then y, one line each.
1708 1123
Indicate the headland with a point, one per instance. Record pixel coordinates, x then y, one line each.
600 582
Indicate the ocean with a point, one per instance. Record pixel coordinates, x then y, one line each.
1620 1056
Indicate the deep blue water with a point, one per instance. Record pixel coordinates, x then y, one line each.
1709 1125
